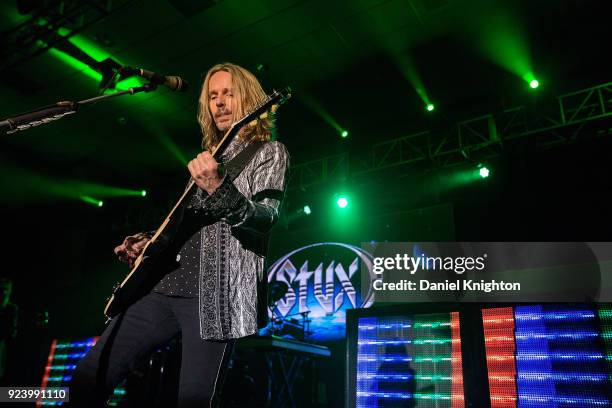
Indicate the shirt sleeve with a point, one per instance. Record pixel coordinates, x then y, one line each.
267 177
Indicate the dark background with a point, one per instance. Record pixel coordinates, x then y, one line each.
58 251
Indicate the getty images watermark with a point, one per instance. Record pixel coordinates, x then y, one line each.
458 265
488 272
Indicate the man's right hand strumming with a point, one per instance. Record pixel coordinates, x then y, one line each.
131 248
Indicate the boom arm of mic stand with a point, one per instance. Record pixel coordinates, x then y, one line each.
55 112
39 117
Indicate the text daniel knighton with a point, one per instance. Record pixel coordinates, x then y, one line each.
447 285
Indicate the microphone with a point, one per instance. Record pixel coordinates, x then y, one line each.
175 83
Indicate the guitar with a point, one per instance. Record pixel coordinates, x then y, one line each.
140 279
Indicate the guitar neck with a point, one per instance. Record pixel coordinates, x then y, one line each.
217 151
261 109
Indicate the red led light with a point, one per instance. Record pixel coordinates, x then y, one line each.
500 348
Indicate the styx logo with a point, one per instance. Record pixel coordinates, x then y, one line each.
321 278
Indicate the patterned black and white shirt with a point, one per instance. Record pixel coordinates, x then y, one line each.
222 258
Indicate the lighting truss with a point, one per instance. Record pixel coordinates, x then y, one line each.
40 32
483 136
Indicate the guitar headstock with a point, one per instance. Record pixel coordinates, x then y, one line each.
270 103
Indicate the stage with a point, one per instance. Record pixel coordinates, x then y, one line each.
422 219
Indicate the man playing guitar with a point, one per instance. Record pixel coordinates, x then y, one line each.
208 288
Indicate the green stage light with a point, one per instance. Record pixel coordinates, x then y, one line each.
534 83
342 202
430 107
484 172
92 201
86 188
313 103
499 31
307 210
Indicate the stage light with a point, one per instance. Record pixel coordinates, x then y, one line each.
307 210
342 202
407 66
143 193
484 172
316 106
430 107
534 83
93 201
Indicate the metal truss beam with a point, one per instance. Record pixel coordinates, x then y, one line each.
335 167
40 32
482 137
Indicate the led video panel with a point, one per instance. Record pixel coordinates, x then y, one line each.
549 355
409 361
61 363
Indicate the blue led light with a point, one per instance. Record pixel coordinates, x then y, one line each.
385 394
382 357
403 395
553 315
563 377
383 342
384 326
558 336
529 320
60 378
577 401
74 345
90 342
383 377
66 367
559 358
531 356
71 355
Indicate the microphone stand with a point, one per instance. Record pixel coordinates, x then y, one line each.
57 111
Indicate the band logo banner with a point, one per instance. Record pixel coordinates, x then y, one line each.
322 281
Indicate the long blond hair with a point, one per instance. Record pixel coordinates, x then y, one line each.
249 92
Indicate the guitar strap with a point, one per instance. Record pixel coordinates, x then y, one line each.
235 166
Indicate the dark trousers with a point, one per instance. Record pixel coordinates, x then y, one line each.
142 328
